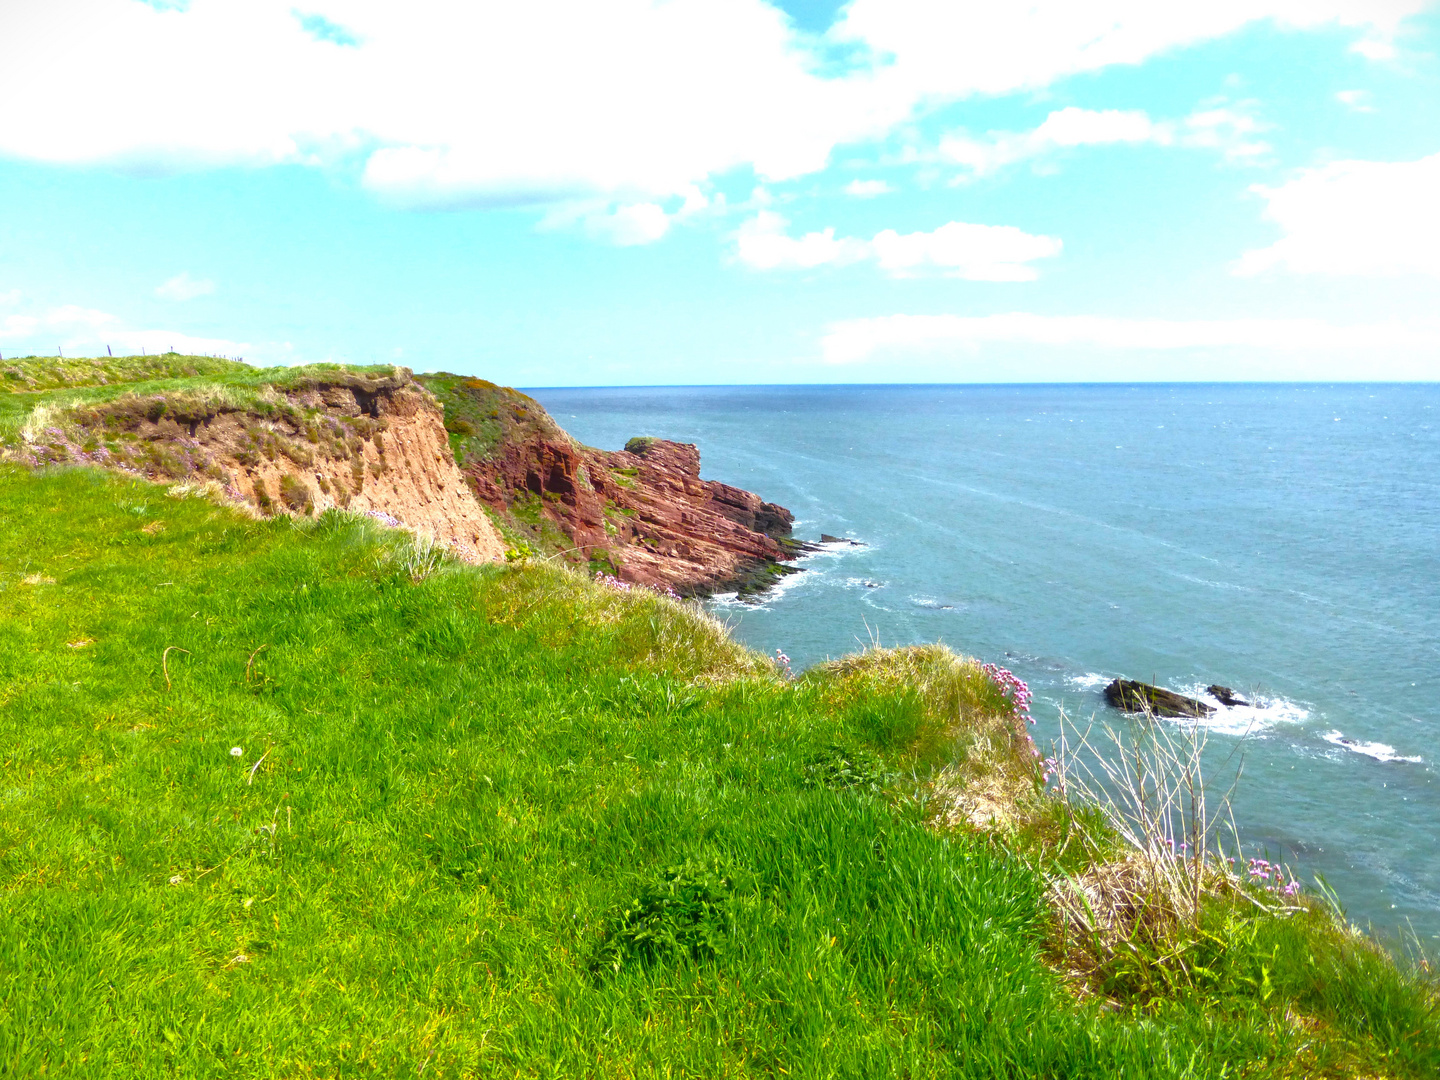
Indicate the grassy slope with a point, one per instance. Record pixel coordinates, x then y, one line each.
467 778
482 417
507 821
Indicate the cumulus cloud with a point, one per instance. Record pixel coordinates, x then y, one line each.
868 189
183 287
1230 129
627 226
1355 100
763 244
953 48
957 249
482 102
855 340
1371 218
960 249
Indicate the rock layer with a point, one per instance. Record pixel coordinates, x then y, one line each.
369 444
642 513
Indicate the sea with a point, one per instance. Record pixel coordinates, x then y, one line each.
1281 540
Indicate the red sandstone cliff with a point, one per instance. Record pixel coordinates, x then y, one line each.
642 513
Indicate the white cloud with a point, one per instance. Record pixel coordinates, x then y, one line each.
1219 126
963 250
763 244
868 189
1355 100
1374 49
953 48
855 340
627 226
183 287
487 102
1370 218
957 249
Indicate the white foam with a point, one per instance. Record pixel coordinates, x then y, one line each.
1378 750
834 549
930 603
762 600
1253 719
1089 681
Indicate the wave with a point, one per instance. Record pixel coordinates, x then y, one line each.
1259 716
930 603
1378 750
761 601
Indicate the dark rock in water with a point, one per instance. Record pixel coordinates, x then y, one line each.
1131 696
1226 696
826 538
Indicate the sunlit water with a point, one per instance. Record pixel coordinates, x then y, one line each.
1280 540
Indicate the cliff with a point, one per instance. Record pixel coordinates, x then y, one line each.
297 441
642 513
445 456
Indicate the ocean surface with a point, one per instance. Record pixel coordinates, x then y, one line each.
1283 540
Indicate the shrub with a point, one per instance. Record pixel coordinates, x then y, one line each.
295 495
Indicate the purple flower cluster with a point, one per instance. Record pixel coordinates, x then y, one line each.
625 586
784 662
384 518
1271 877
1013 688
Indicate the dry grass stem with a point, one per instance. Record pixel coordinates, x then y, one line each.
164 662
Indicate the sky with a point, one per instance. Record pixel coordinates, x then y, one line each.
632 192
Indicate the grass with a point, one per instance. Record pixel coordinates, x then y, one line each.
47 390
505 821
37 373
482 417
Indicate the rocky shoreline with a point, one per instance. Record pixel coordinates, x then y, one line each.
641 514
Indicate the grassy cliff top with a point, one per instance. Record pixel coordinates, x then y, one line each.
49 384
482 417
304 798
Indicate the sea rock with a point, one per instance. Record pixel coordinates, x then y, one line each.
826 538
1138 697
1226 696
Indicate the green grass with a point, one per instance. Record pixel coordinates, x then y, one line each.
36 373
482 417
503 821
59 387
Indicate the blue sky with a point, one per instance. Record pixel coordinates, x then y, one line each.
695 191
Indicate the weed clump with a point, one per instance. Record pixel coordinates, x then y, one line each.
680 912
295 495
840 769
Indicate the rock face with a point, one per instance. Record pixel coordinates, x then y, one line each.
1226 696
642 513
372 444
1137 697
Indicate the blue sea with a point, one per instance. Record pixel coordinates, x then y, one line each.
1283 540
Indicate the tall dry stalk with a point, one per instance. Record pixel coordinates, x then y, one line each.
1148 782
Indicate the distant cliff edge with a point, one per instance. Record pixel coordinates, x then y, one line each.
642 514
